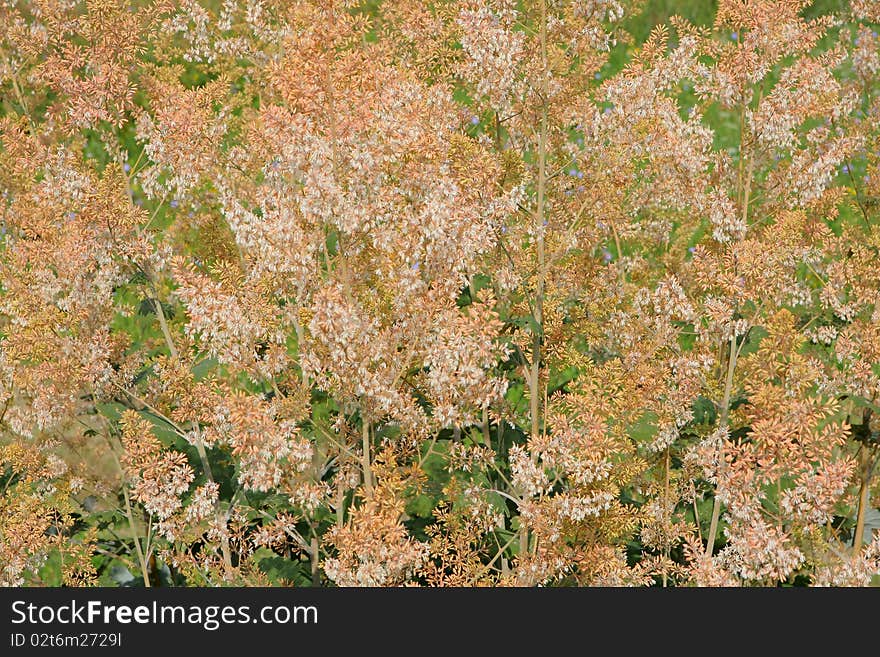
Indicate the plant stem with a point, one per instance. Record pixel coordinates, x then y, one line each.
487 436
538 310
666 511
365 460
866 463
539 230
142 561
340 502
725 412
163 324
314 554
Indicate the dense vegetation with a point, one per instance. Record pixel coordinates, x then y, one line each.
451 293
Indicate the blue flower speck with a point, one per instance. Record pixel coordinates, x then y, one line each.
734 36
475 120
126 167
173 203
606 255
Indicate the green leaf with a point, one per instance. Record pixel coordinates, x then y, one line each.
421 506
644 429
280 570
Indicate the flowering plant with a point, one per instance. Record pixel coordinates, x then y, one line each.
454 293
